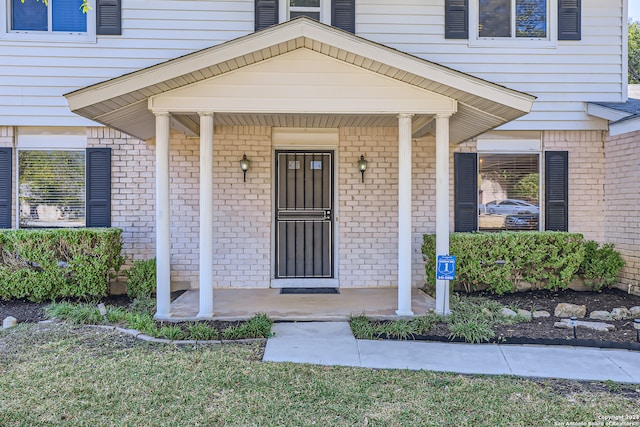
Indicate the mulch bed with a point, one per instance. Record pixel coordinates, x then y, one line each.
542 331
538 331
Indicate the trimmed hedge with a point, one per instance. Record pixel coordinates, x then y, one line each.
501 261
46 264
141 279
601 265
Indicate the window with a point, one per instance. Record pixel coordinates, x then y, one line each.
59 20
51 188
512 18
502 191
58 182
508 192
338 13
310 8
509 22
54 15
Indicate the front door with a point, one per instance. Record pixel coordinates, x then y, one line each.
304 214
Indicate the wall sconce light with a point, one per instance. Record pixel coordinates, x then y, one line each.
362 166
244 165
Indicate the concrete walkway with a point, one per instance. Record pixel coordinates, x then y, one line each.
332 343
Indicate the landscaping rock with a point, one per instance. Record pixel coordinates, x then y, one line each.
541 313
596 326
567 310
635 312
9 322
508 312
600 315
524 313
620 313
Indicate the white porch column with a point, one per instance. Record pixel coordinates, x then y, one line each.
206 215
404 215
163 221
442 206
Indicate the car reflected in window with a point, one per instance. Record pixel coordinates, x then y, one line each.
511 207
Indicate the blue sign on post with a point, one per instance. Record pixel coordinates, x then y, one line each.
446 267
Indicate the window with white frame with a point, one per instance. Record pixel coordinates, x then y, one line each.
338 13
513 19
49 20
51 188
310 8
536 23
511 183
51 177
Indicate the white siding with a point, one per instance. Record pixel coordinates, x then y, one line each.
35 75
563 77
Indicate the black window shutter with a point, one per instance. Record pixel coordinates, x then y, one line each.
465 167
266 13
108 17
5 187
98 187
556 193
343 15
569 20
456 19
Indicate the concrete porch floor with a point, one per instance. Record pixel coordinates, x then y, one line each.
241 304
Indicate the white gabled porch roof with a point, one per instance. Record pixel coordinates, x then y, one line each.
125 102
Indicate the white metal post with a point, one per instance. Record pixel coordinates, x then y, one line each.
206 215
404 215
442 206
163 220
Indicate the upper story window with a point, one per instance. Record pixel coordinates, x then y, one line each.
513 18
310 8
538 23
48 16
338 13
59 20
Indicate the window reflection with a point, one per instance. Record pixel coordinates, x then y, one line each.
509 192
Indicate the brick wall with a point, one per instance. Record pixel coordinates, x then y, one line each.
242 211
586 179
622 194
368 212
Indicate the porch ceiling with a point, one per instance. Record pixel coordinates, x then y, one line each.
123 103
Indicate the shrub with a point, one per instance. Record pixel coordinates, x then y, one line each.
601 265
47 264
142 322
172 333
259 326
84 314
141 279
546 260
143 305
472 331
401 329
362 328
202 332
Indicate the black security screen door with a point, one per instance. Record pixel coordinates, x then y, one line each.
304 214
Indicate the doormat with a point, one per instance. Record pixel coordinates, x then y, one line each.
301 291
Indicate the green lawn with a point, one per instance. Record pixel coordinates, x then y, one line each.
76 376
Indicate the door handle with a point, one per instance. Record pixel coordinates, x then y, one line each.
327 214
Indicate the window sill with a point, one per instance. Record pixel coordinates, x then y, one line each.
513 43
49 37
